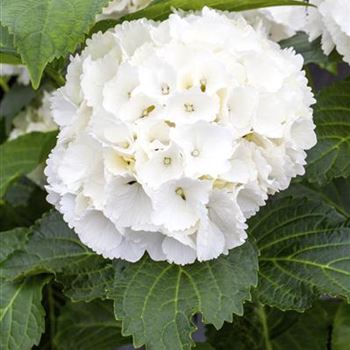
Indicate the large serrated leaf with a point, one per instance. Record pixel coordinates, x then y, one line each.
305 252
21 313
47 29
336 194
22 155
156 300
12 240
271 329
89 326
161 9
330 158
88 279
51 247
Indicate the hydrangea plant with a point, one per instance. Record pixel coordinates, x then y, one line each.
196 177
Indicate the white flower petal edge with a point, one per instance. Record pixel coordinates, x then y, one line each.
331 20
169 142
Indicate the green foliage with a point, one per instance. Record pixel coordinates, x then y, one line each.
341 328
24 202
87 279
156 301
22 155
12 240
47 29
51 247
330 158
21 313
271 329
335 194
305 250
13 102
89 326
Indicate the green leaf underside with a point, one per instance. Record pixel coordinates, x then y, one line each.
51 248
330 158
12 240
341 328
156 300
160 10
285 330
46 29
22 155
21 313
305 251
89 326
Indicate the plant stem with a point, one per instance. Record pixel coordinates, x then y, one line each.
262 316
52 319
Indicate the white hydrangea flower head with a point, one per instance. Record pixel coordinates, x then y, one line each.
35 119
172 134
279 22
331 20
118 8
8 70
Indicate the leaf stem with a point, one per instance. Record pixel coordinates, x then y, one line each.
4 85
262 316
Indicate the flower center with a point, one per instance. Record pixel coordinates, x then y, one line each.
147 111
203 84
195 153
167 161
189 107
180 192
165 89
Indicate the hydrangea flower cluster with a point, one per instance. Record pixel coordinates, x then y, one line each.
172 134
118 8
331 20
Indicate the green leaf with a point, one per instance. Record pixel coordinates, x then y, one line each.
21 313
23 204
89 326
330 158
14 101
12 240
341 328
22 155
88 279
47 29
51 247
160 10
156 300
335 194
271 329
305 252
311 51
